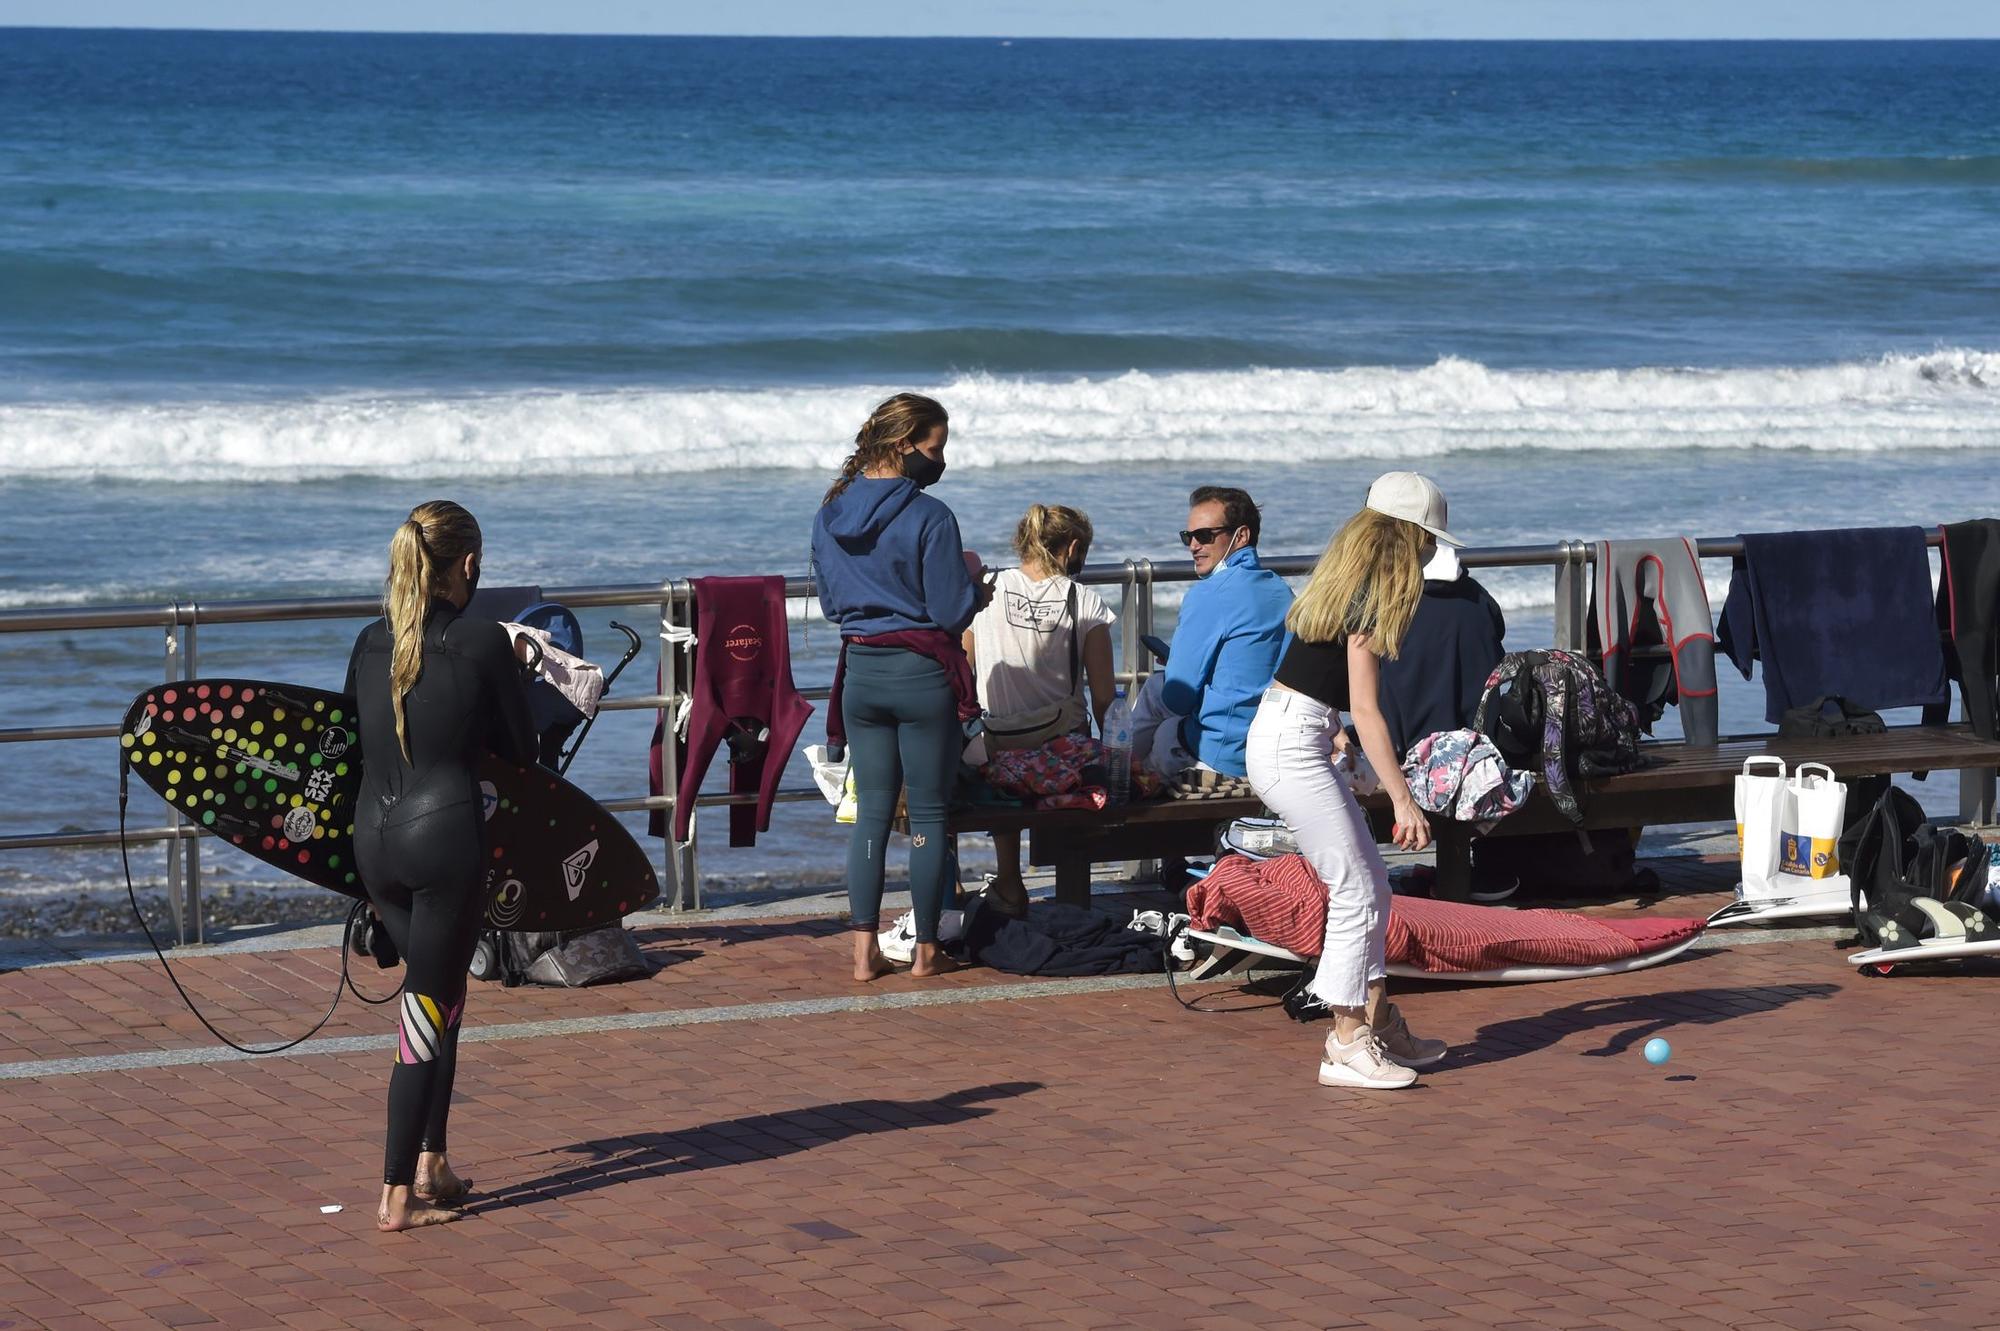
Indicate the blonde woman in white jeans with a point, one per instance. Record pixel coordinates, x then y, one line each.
1354 611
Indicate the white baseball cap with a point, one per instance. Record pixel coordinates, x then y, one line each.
1415 499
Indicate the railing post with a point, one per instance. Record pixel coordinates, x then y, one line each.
192 849
1140 623
1572 595
1142 668
175 902
1127 673
1975 796
683 879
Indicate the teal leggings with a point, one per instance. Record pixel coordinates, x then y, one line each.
902 734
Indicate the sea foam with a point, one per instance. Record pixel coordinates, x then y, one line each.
1946 399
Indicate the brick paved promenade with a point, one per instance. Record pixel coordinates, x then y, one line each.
743 1142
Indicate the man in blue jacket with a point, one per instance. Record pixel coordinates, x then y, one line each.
1196 711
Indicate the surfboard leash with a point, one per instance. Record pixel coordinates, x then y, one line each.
1174 988
132 895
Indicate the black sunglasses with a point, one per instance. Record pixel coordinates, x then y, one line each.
1204 535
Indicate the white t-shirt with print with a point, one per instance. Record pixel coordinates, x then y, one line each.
1021 641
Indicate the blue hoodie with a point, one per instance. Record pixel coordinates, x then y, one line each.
889 559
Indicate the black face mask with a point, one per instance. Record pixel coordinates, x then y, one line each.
922 468
472 579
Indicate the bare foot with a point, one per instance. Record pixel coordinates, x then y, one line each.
400 1211
869 963
437 1183
931 960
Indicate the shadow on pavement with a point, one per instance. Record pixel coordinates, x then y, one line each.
1628 1020
609 1161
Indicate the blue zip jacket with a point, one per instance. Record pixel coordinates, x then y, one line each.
1225 650
889 559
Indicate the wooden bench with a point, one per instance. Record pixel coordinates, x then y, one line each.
1682 785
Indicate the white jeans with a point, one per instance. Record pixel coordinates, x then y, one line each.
1290 760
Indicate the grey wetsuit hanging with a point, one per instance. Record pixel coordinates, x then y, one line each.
1651 594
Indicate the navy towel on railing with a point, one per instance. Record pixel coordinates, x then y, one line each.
1844 613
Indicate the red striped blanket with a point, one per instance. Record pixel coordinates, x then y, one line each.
1282 901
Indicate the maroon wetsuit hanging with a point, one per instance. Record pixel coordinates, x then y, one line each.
743 697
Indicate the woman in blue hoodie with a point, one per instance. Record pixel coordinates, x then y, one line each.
892 574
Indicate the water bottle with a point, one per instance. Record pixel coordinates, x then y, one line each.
1118 748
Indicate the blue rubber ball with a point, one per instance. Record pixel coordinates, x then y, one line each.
1658 1051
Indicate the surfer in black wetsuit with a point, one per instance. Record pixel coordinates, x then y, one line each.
434 693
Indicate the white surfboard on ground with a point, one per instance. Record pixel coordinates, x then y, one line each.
1897 956
1767 910
1958 930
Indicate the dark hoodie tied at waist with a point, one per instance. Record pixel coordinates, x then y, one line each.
946 650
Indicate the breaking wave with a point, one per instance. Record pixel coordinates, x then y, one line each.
1946 399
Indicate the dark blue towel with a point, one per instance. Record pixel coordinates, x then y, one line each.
1836 614
1060 939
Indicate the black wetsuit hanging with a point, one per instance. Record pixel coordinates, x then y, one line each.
1968 610
419 841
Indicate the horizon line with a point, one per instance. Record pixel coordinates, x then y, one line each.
1002 37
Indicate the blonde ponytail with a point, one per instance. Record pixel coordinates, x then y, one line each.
1045 531
435 537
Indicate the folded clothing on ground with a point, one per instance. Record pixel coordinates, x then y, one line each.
1282 901
1845 613
1058 939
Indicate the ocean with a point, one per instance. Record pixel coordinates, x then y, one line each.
629 298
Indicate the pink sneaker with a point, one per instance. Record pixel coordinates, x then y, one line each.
1362 1063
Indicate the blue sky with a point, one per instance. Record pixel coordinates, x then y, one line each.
1076 18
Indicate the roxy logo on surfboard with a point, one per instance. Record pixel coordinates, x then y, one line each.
508 903
575 865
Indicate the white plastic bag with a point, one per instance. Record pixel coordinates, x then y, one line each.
829 774
1761 799
835 779
1809 834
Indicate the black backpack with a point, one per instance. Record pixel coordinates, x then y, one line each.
1550 712
603 955
1893 856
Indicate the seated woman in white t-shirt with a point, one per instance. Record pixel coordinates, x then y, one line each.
1035 647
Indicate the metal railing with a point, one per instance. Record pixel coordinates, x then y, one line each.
1136 579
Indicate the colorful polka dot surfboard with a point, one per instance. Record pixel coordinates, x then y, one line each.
275 769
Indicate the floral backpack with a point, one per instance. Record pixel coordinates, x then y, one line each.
1551 712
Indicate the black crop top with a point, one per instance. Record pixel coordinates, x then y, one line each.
1316 669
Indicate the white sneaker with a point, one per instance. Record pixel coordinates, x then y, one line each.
1362 1063
899 940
